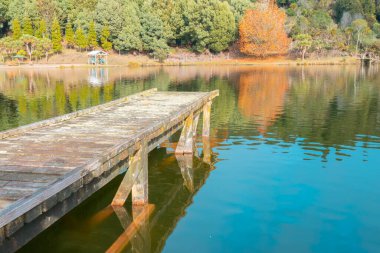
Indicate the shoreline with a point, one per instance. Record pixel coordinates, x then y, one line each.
138 62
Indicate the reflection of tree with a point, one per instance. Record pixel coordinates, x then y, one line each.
8 113
325 105
329 108
262 94
41 94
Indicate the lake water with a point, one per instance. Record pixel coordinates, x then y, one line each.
295 162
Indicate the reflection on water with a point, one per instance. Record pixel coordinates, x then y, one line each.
98 76
262 95
293 153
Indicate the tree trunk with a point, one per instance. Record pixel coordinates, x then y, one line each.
357 43
303 54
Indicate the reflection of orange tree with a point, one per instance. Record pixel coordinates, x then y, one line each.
261 95
329 109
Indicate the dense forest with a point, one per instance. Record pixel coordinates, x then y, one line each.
39 28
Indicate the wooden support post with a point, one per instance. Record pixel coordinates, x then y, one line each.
206 150
206 119
140 187
195 125
185 163
123 216
135 179
136 230
141 242
186 143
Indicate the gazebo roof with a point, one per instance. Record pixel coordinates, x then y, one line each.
18 56
97 52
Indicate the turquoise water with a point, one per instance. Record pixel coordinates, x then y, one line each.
295 162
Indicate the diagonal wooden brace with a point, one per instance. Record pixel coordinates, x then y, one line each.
186 142
185 163
195 124
135 180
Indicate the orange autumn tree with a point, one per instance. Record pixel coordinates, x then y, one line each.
262 31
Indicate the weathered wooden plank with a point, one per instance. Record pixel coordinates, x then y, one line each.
55 170
24 185
15 194
27 177
4 203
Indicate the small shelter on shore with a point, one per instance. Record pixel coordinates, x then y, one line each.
18 58
97 57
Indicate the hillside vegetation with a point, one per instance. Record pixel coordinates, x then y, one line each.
38 28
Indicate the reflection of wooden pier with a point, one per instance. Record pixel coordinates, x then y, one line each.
68 158
141 241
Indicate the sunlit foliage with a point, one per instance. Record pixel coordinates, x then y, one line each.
262 32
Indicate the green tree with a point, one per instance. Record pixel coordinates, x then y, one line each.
30 43
92 37
27 26
45 46
152 32
9 46
4 4
69 35
320 20
18 9
303 42
376 29
80 39
353 7
129 37
212 25
41 31
161 54
83 19
56 36
16 29
171 13
104 39
5 47
49 9
369 7
114 14
238 8
361 32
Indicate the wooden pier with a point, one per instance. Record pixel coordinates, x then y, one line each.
42 165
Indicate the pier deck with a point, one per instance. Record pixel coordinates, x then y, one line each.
43 164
